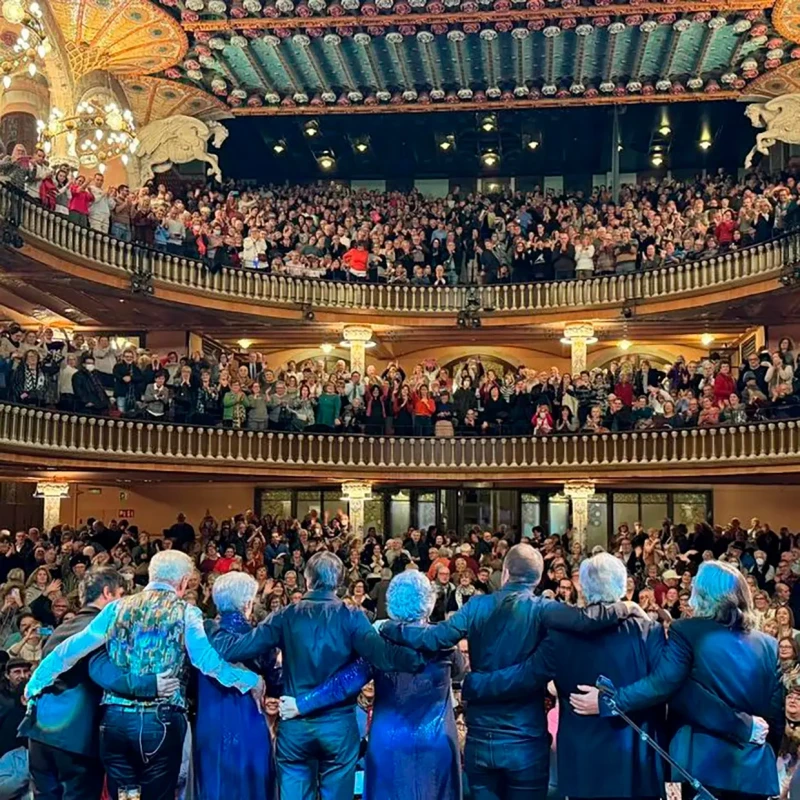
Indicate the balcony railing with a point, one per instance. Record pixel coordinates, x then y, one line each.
54 232
75 437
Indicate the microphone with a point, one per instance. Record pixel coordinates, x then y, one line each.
604 685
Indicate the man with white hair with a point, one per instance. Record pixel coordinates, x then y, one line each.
153 632
587 746
318 636
507 753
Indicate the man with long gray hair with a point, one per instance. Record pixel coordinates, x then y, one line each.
588 745
718 651
507 754
150 633
318 636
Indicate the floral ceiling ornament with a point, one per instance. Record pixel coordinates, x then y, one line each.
393 37
607 87
456 36
549 89
217 6
634 87
195 5
362 38
584 29
728 78
682 25
383 95
301 40
520 33
648 26
217 43
272 98
465 94
577 88
355 96
715 23
332 39
437 94
488 34
695 83
238 41
425 37
551 31
494 93
271 40
616 27
741 25
520 91
410 95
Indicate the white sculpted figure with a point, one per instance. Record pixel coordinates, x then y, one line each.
781 118
178 140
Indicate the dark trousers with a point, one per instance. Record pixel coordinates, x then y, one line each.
59 775
507 767
317 757
143 747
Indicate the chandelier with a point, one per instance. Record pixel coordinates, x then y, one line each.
94 133
32 42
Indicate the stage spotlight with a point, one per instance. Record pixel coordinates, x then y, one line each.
311 128
279 148
665 130
657 160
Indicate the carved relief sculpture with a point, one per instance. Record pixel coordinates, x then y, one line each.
781 118
178 140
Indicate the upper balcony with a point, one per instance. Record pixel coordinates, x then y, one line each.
53 242
76 443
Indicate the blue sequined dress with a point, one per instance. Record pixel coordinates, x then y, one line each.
233 747
412 748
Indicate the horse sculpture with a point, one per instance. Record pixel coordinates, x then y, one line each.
178 140
781 118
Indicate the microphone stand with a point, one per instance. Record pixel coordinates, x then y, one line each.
702 792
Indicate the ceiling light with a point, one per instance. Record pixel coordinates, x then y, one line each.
489 123
279 147
657 160
704 144
706 339
245 343
311 128
326 161
447 142
68 310
533 144
326 348
490 158
665 130
624 344
362 147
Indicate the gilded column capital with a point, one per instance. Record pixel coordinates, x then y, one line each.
357 333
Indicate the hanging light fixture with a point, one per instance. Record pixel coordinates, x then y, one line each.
32 44
94 133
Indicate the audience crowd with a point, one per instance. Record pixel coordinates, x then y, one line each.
327 230
242 390
41 572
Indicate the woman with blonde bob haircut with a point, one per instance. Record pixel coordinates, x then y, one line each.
736 667
412 752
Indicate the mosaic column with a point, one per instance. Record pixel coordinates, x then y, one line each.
356 492
52 494
579 492
357 336
579 335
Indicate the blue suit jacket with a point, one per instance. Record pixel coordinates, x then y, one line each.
505 628
740 669
318 636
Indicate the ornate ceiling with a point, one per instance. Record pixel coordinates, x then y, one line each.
212 57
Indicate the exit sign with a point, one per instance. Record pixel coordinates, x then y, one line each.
125 513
